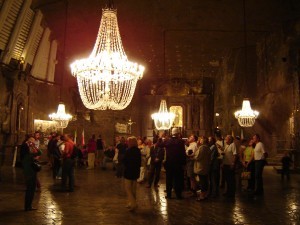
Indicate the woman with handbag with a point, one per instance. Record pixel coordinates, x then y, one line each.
248 164
28 154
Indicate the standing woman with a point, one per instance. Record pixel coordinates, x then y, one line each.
132 164
91 147
68 164
248 163
202 166
28 153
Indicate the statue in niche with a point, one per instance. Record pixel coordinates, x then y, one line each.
6 116
197 86
177 110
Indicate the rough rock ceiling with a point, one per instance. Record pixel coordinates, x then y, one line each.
172 38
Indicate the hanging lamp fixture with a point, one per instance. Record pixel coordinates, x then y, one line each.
61 117
107 79
163 120
246 117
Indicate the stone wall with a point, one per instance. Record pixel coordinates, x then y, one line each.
274 89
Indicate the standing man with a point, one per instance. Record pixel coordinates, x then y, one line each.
214 174
157 155
174 164
220 144
36 137
68 164
50 148
229 161
100 151
55 154
260 156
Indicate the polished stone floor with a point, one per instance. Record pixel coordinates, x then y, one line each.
99 198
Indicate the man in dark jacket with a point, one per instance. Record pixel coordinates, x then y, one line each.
174 164
157 155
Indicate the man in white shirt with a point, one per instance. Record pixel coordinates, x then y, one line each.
229 161
260 156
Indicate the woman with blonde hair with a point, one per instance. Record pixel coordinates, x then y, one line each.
132 164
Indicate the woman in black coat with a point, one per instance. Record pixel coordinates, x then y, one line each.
132 164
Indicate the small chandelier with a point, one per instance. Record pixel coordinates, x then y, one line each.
61 117
163 119
107 79
246 117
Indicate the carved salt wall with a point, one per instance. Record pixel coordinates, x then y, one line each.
273 88
191 95
25 94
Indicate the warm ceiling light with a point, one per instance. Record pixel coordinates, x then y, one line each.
61 117
246 116
163 120
107 79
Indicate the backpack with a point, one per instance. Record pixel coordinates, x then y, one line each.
76 152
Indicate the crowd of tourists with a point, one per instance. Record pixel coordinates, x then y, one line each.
200 166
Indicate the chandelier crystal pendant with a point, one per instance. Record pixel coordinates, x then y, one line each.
61 117
163 119
107 79
246 117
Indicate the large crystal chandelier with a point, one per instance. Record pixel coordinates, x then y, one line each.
61 117
246 117
163 119
107 79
